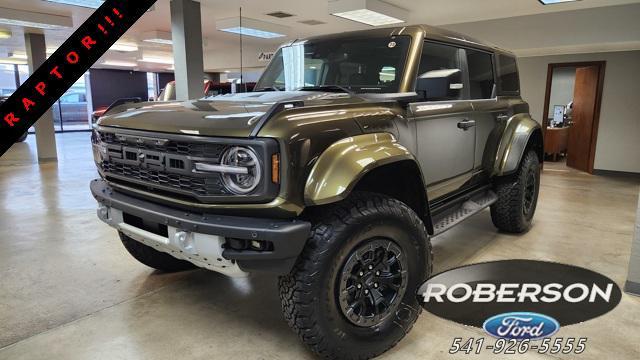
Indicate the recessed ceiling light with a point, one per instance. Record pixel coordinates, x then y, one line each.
5 34
312 22
280 14
117 63
252 27
551 2
370 12
32 19
92 4
157 37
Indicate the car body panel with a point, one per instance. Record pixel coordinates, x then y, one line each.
234 115
513 143
346 161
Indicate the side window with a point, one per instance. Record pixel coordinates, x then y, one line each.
480 74
440 74
508 74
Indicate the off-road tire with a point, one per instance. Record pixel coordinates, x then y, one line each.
308 294
511 212
152 257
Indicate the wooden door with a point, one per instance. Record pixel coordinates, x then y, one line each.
585 98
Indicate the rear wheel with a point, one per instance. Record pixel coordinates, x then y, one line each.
352 292
152 257
517 196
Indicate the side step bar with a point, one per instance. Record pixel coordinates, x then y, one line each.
459 213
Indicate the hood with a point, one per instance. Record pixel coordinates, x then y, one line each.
225 115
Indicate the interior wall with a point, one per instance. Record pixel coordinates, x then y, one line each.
562 87
108 86
580 31
618 147
163 79
227 56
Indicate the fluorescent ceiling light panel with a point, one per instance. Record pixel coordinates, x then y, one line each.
5 34
124 46
13 61
157 60
23 55
118 63
551 2
91 4
157 37
252 27
370 12
32 19
18 55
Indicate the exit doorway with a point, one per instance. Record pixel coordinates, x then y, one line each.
571 112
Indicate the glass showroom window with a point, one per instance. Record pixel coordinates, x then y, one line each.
72 111
7 79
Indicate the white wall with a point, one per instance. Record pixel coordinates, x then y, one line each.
566 32
223 56
618 146
562 87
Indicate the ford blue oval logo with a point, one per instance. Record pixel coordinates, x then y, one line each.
521 326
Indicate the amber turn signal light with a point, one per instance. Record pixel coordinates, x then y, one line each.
275 168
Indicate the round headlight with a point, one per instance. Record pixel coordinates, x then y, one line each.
242 157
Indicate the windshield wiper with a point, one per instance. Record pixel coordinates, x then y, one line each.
267 88
335 88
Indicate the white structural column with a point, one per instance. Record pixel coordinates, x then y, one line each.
45 132
186 33
633 280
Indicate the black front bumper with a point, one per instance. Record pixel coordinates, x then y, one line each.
287 236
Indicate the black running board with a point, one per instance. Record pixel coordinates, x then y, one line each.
457 214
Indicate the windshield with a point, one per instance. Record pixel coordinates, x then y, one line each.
363 65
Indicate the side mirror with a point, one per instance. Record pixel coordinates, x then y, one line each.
443 84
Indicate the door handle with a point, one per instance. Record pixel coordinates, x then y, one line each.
466 124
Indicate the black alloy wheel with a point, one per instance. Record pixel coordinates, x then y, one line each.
373 281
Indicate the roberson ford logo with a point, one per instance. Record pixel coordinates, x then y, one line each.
521 326
519 299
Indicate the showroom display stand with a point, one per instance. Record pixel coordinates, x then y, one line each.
632 286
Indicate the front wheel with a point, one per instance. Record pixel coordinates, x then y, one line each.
517 196
352 292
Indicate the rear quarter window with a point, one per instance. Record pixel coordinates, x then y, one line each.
508 79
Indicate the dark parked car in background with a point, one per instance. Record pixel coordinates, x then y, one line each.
72 108
24 136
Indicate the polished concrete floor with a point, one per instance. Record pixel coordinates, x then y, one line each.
68 289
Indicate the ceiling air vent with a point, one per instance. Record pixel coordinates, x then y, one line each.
312 22
280 14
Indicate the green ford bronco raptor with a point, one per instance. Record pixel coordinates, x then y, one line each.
352 152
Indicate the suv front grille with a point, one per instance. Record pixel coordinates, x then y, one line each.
153 162
165 164
211 185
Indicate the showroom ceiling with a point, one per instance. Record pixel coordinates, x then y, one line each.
434 12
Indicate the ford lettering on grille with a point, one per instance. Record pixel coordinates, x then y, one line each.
161 163
151 160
